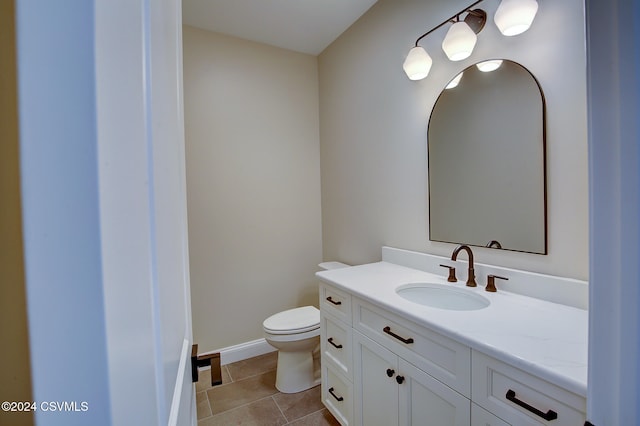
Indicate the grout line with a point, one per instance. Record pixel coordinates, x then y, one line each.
229 373
304 417
209 404
286 419
244 405
251 376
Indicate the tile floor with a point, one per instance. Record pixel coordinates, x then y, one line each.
248 396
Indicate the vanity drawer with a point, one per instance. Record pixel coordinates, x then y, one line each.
335 343
439 356
336 302
337 395
520 398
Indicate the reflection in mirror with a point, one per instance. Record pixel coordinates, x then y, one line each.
486 151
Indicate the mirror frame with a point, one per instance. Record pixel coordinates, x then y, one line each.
544 167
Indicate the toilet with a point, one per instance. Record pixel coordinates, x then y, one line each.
296 335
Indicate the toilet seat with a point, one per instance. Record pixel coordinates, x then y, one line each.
293 321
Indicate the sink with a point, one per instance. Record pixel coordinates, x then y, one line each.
442 297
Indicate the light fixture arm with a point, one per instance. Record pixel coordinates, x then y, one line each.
457 15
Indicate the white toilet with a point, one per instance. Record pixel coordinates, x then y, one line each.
295 333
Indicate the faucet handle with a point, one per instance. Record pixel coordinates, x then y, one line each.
452 273
491 282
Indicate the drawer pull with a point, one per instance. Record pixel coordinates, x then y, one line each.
330 300
390 372
387 330
330 340
548 416
400 379
338 398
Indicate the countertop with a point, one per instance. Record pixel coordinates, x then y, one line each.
542 338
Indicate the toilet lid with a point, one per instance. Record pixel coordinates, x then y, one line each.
296 320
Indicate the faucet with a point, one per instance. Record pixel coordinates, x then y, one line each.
494 244
471 278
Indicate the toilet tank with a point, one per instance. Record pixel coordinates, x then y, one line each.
332 265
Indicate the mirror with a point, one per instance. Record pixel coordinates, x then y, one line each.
486 154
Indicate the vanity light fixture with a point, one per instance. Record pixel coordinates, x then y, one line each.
417 64
459 41
512 17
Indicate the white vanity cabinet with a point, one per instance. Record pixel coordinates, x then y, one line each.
481 417
391 391
379 368
520 398
336 353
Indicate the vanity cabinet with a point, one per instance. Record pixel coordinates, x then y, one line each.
336 353
391 391
520 398
378 368
481 417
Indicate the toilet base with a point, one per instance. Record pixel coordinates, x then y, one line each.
295 372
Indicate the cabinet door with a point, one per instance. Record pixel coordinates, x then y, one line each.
426 401
375 384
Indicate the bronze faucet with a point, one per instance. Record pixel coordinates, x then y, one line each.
471 278
494 244
491 282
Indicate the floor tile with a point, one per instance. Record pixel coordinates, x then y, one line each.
319 418
252 366
202 405
237 393
297 405
258 413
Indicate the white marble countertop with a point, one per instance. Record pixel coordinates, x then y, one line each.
545 339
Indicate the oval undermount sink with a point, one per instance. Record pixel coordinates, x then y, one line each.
442 297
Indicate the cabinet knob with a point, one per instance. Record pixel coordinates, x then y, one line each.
399 379
390 372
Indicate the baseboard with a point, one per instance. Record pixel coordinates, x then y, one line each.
243 351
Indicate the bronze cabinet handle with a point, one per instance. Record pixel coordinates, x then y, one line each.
548 416
387 330
400 379
390 372
338 398
330 340
330 300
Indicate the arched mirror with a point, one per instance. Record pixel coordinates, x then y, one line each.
486 153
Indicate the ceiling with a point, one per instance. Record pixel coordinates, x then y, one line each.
306 26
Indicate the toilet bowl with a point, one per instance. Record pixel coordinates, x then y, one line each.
295 333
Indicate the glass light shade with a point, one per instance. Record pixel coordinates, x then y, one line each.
459 41
488 66
453 83
418 64
514 17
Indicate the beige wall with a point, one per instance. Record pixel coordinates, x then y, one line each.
15 375
253 184
374 125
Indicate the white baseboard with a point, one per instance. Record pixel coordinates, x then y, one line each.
243 351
